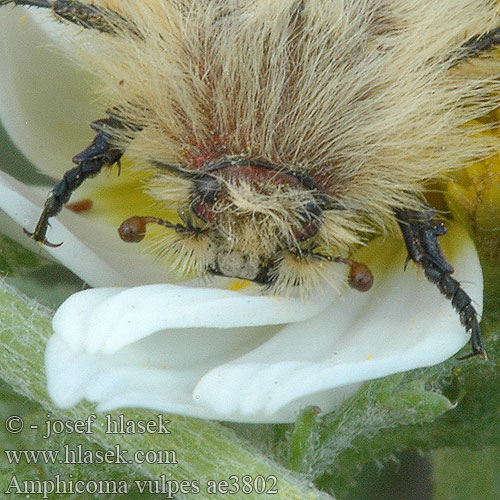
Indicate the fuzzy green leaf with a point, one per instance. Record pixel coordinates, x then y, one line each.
14 257
462 474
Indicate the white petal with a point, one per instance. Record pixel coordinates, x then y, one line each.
91 250
403 323
200 352
207 327
45 100
142 311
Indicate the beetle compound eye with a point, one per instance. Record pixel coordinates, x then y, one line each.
312 211
207 187
310 217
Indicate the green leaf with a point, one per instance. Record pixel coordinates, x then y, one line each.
15 258
491 317
395 401
462 474
38 277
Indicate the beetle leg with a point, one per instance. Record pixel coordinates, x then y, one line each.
479 44
89 163
420 233
82 14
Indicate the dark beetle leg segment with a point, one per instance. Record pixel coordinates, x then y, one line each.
89 162
475 46
85 15
481 43
420 232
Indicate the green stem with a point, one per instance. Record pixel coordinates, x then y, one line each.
304 439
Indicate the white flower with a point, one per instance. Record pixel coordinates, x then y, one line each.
205 352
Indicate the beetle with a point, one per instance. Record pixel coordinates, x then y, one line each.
285 134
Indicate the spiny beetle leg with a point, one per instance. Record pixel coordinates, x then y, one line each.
82 14
478 44
89 163
420 232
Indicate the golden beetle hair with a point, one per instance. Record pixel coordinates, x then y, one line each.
363 93
285 133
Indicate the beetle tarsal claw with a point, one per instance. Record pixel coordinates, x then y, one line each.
43 241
